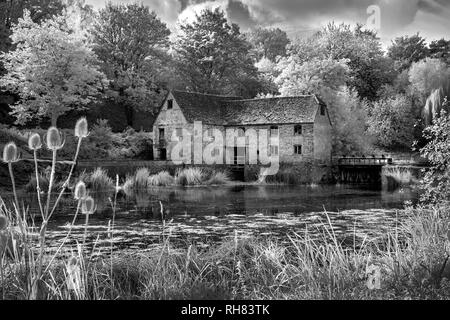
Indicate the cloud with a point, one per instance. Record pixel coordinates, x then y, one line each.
302 17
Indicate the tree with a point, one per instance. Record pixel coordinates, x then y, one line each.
131 42
369 70
269 43
426 76
52 69
391 122
214 57
436 182
440 49
407 50
12 10
310 77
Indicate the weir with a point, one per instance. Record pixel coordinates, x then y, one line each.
361 170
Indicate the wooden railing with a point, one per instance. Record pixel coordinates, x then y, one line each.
364 161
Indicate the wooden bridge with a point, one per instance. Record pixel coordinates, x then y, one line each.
361 170
364 161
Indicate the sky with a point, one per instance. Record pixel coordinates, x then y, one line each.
300 18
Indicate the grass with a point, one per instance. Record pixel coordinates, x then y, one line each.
190 177
163 178
218 178
99 181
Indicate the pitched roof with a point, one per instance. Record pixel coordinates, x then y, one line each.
202 107
225 110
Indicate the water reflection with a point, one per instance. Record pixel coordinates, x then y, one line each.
209 214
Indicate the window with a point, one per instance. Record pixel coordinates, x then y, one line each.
169 104
161 133
179 132
298 130
274 130
322 110
273 150
210 132
298 149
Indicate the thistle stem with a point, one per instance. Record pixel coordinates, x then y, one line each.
13 182
66 183
38 188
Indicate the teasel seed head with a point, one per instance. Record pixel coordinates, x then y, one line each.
88 206
54 139
81 128
10 153
34 142
80 191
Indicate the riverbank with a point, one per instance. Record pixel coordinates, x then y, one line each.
410 262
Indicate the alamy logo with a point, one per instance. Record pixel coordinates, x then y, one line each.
228 146
374 19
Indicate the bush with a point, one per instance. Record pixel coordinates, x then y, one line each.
141 179
190 177
161 179
436 181
99 181
218 178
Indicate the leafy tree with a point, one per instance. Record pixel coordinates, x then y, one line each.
391 122
310 77
407 50
440 49
52 69
214 57
269 43
12 10
131 42
427 75
436 181
369 70
348 115
436 103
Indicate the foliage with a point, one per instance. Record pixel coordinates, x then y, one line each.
53 70
368 69
190 177
311 77
391 121
162 178
435 103
130 41
268 43
99 181
426 76
11 11
436 182
440 49
214 57
408 49
348 116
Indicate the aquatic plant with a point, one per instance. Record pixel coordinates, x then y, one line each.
141 179
99 181
161 179
190 177
36 184
218 178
